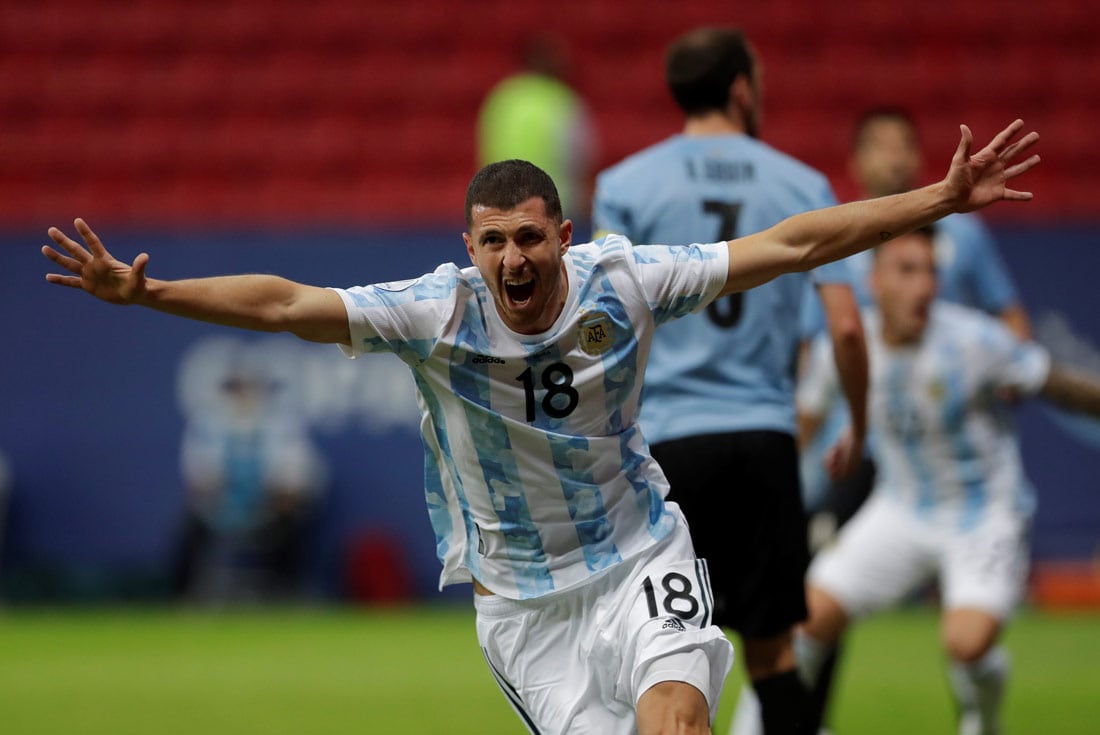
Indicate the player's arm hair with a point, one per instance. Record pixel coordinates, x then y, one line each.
1072 389
259 302
262 303
810 239
849 350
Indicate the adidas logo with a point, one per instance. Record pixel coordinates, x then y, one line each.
673 623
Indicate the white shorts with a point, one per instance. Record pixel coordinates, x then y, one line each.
885 553
577 661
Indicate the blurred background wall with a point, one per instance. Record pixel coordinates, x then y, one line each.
332 141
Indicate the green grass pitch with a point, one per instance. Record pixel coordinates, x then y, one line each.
418 670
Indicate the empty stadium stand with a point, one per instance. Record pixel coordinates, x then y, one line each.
361 112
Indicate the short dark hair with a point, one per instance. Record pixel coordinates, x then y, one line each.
928 232
507 184
875 114
701 66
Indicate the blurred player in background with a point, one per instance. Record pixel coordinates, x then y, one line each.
593 611
535 115
886 159
950 499
253 478
719 390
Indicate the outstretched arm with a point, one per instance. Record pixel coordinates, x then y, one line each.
808 240
258 302
1072 389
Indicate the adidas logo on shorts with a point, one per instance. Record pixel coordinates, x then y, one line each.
673 623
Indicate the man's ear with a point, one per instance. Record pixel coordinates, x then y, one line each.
741 93
565 234
469 246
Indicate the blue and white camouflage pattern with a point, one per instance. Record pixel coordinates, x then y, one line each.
536 473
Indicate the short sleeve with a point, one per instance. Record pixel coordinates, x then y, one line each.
1022 366
680 279
1026 368
402 317
983 280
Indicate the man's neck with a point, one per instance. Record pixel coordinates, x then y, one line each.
712 123
897 340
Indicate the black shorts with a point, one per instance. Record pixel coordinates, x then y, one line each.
741 495
848 495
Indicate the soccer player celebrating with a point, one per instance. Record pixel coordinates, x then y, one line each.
592 611
950 499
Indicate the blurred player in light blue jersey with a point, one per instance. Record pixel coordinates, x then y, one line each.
593 610
718 403
950 499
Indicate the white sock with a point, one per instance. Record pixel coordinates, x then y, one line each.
810 655
979 688
746 718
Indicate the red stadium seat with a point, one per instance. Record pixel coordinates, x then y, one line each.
296 102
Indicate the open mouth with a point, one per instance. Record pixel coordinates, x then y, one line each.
520 293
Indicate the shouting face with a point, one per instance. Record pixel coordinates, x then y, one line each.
904 283
520 253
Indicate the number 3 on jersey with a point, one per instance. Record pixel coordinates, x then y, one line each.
726 313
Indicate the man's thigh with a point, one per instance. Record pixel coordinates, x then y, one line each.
879 558
986 568
578 661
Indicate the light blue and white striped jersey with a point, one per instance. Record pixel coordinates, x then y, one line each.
945 443
732 367
969 271
536 474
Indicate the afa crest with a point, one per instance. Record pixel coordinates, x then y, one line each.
596 333
937 390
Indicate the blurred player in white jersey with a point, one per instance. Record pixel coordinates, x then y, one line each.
950 499
719 390
886 159
593 611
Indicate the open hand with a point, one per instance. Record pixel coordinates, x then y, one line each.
981 179
96 270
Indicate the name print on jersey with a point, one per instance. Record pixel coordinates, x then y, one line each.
721 170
